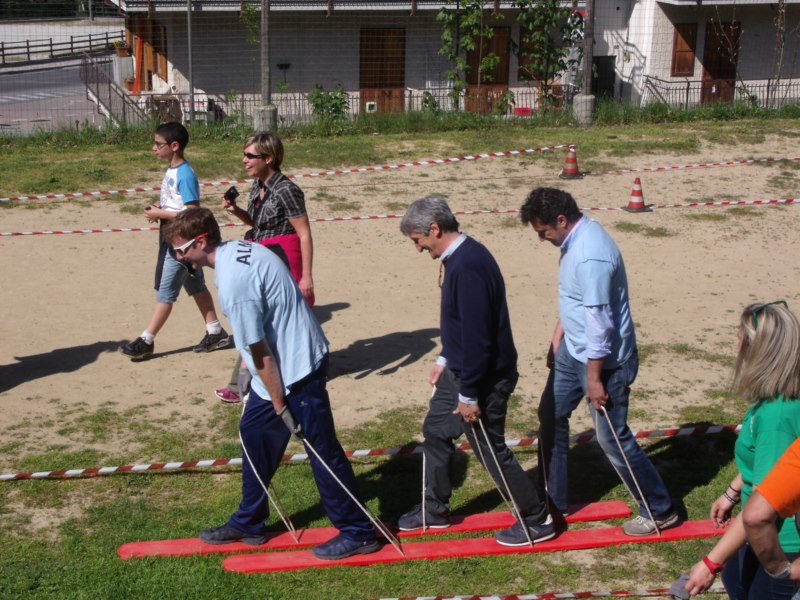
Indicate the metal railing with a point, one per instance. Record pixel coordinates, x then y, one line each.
34 50
294 107
767 93
112 101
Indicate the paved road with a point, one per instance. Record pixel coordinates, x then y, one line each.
46 99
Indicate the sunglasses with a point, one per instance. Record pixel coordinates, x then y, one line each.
251 156
181 250
762 307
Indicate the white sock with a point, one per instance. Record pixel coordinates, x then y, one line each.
147 336
213 327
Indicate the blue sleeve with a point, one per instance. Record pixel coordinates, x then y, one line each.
188 186
595 279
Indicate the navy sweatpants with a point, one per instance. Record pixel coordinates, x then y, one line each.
265 439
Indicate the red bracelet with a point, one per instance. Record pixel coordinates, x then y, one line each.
715 568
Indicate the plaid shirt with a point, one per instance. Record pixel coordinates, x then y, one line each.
283 200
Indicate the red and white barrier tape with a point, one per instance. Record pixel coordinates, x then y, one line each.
317 220
346 171
714 589
502 211
702 165
582 438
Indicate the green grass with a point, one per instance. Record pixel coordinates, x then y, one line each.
645 230
64 545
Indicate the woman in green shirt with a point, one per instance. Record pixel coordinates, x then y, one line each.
767 374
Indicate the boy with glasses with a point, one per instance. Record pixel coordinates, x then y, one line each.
179 191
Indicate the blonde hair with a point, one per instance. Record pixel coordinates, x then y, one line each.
267 144
768 363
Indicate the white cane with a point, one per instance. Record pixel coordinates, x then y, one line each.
517 513
275 502
425 478
630 470
386 533
485 466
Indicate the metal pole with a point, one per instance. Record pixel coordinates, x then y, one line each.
267 113
189 52
588 49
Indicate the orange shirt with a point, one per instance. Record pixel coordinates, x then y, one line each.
781 487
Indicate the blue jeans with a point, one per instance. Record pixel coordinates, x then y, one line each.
568 390
174 276
745 579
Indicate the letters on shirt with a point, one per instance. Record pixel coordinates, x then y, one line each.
243 252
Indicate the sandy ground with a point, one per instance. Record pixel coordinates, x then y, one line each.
70 300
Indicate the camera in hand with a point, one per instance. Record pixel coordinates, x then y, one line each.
231 195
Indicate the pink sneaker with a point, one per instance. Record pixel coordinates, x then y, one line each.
227 395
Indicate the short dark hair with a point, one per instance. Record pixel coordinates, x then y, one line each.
546 204
192 222
174 132
423 212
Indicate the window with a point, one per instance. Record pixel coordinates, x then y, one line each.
683 50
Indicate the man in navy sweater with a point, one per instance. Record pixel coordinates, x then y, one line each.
473 377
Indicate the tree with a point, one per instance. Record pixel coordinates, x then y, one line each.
465 30
549 42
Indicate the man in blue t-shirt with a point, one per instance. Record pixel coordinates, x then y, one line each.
593 355
286 353
473 377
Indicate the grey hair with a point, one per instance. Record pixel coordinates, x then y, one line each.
423 212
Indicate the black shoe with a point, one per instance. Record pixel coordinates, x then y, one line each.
225 534
213 341
413 520
138 349
515 535
341 547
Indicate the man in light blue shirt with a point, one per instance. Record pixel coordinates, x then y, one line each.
287 355
593 355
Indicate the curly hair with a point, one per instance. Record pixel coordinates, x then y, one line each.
546 204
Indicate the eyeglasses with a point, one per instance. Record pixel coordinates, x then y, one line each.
181 250
251 156
159 145
762 307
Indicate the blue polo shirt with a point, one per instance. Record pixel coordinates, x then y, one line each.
591 273
261 300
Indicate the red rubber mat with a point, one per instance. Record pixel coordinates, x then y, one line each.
596 511
432 550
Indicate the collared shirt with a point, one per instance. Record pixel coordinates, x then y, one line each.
283 200
592 277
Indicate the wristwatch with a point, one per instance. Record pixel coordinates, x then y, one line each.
786 573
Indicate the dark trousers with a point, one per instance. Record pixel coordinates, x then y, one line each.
265 439
745 579
442 427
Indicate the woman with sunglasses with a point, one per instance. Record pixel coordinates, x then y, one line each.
767 375
276 213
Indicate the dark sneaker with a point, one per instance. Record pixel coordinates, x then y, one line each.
341 547
138 349
644 526
515 535
225 534
413 520
213 341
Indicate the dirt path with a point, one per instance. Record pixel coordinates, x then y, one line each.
70 300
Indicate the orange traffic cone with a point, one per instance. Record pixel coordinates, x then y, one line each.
636 203
570 170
